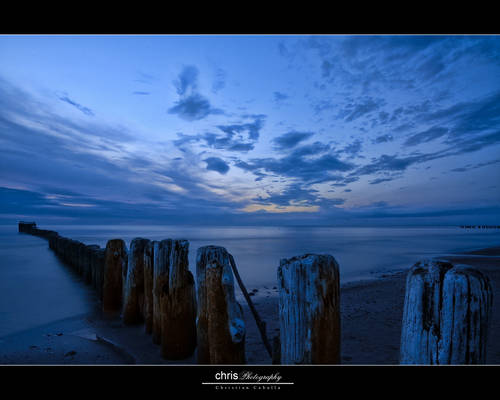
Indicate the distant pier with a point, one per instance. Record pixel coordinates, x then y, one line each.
479 226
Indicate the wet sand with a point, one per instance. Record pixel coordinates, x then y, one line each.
371 326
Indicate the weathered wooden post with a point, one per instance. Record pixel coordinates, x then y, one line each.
161 253
309 310
115 262
178 306
133 286
148 285
446 315
98 260
220 324
85 264
79 258
92 266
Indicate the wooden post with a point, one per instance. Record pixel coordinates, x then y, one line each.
93 266
178 306
309 305
133 300
148 286
98 259
115 262
446 315
174 300
161 252
220 324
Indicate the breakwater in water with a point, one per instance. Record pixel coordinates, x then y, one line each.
150 283
447 309
86 260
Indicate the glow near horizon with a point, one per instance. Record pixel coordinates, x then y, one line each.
244 124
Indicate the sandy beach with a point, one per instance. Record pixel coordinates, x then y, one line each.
371 325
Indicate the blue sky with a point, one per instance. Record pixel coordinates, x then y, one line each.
250 129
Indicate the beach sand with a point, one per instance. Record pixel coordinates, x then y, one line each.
371 313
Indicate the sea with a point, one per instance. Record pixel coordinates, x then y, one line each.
36 288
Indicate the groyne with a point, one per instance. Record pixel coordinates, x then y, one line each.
447 310
86 260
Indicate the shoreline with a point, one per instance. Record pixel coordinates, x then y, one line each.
371 310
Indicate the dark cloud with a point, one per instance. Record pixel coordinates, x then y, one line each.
475 166
217 164
280 97
251 129
344 181
282 49
139 93
83 109
291 139
299 164
232 137
426 136
380 180
383 139
353 149
191 105
322 105
354 110
466 126
187 81
388 163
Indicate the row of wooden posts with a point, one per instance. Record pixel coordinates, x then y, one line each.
446 315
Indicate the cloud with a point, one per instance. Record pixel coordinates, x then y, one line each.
187 81
426 136
383 139
240 137
466 126
219 81
83 109
139 93
475 166
353 149
388 163
299 164
380 180
280 97
291 139
217 164
360 108
191 106
57 157
294 194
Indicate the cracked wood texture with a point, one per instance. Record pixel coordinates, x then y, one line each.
115 261
220 323
133 285
309 310
174 300
446 315
161 260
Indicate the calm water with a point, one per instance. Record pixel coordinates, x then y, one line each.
35 288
